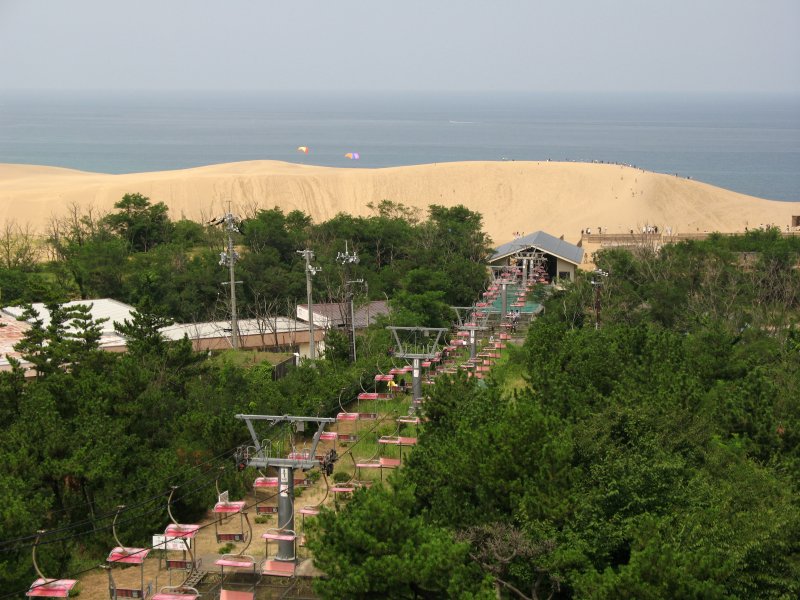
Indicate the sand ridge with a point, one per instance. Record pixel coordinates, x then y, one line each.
513 196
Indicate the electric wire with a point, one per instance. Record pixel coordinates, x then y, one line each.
98 529
206 484
148 548
92 521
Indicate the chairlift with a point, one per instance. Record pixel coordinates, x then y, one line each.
177 592
225 509
185 533
280 535
278 568
122 555
45 587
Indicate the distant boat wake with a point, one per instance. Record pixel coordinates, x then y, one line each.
462 122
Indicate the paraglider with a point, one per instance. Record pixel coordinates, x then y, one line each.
303 149
352 155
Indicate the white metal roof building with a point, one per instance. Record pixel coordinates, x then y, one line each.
270 333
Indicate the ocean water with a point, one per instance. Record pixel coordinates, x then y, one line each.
750 144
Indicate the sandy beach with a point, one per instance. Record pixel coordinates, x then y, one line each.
560 198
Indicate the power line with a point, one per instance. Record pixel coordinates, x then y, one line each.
99 529
21 593
93 521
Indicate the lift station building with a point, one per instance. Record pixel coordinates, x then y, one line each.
559 258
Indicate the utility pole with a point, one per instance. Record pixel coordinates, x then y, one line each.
228 258
310 272
345 259
598 279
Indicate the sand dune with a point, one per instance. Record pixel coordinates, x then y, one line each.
560 198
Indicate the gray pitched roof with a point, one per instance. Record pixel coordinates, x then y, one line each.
544 242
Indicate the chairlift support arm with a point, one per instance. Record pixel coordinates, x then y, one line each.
260 461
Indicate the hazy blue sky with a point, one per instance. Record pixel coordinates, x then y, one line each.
526 45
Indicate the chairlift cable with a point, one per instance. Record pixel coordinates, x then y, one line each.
109 514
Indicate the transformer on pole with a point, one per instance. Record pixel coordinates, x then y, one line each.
228 258
346 259
310 272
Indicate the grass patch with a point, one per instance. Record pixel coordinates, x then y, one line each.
249 358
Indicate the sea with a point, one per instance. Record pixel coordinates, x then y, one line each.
746 143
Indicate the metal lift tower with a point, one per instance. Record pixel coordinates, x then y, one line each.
418 344
286 468
473 325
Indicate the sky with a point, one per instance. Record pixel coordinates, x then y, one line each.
601 46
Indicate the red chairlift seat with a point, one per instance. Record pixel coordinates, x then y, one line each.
278 568
279 536
409 420
235 561
309 511
389 377
343 489
374 396
342 416
380 463
51 588
177 593
186 532
463 334
396 371
127 556
397 440
181 531
235 595
230 508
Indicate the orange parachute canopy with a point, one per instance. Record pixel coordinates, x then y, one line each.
303 149
352 155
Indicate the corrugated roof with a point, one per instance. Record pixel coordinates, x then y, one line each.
333 313
544 242
102 308
222 329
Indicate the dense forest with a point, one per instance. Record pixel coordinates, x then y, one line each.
644 442
137 254
94 430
